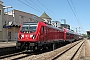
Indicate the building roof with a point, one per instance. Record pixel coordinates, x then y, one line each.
44 15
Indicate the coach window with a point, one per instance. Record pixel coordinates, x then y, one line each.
42 28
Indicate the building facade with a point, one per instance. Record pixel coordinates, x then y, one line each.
56 24
1 20
10 23
17 17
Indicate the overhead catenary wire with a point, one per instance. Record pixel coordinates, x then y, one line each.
49 10
37 5
34 7
74 13
29 6
75 10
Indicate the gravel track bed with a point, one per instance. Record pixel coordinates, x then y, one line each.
22 55
52 54
85 53
69 54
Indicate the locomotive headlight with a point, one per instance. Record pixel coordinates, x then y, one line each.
31 36
27 31
22 35
34 36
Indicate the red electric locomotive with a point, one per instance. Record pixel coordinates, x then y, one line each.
34 35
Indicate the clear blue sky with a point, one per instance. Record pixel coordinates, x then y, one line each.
57 10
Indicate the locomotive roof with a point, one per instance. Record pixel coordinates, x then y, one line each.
29 22
69 31
54 27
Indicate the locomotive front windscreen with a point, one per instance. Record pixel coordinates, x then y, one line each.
30 27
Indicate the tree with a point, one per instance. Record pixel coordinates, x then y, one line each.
85 35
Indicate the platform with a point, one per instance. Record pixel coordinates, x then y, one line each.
7 44
85 53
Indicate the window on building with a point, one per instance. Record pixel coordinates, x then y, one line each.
36 21
9 35
30 19
0 12
21 16
33 17
5 22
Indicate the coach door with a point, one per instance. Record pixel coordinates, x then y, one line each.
42 33
45 33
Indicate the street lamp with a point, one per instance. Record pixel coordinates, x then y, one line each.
6 7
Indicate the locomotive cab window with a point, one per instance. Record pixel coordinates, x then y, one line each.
31 27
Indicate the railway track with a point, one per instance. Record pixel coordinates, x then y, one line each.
71 53
67 52
10 53
58 54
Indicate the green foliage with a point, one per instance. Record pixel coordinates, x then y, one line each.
85 35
